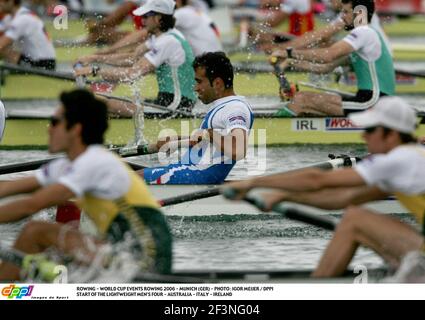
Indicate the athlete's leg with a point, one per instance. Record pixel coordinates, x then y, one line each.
37 236
316 103
387 236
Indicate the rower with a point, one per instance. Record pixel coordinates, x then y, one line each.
223 135
27 32
110 193
324 36
167 53
198 29
395 167
364 48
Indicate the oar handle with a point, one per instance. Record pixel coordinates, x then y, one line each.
212 192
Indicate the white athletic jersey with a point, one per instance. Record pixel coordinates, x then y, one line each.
224 115
2 120
196 27
400 170
97 171
5 22
165 49
28 32
296 6
365 41
376 24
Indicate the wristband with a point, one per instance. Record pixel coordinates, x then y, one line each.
95 70
289 52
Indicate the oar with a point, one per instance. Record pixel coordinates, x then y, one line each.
35 164
343 161
148 104
40 72
410 73
315 86
286 211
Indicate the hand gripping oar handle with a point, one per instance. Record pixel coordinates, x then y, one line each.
34 264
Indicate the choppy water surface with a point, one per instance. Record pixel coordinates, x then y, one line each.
237 242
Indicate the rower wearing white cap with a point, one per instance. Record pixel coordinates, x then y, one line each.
396 167
166 52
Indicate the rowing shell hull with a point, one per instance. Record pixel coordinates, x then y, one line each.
266 131
218 205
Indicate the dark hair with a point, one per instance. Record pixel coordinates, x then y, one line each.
81 106
167 22
216 65
369 4
404 137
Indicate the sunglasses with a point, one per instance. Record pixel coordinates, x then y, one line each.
54 121
370 129
149 14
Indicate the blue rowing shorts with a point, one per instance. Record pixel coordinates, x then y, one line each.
187 174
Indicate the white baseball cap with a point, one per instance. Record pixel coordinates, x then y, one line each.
390 112
160 6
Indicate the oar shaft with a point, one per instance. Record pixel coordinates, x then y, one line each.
190 197
33 165
40 72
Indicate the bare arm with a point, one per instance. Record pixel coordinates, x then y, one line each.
4 43
313 38
308 66
133 39
276 19
325 55
233 145
44 198
304 180
140 68
329 199
25 185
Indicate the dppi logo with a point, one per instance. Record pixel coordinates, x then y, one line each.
13 291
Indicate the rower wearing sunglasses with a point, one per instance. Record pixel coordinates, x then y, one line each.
396 167
113 196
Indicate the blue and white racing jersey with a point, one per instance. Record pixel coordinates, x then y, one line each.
204 163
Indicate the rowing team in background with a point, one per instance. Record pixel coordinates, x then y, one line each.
126 215
169 42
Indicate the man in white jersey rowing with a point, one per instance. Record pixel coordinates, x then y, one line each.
198 29
395 167
364 48
26 32
166 52
325 35
222 138
110 193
